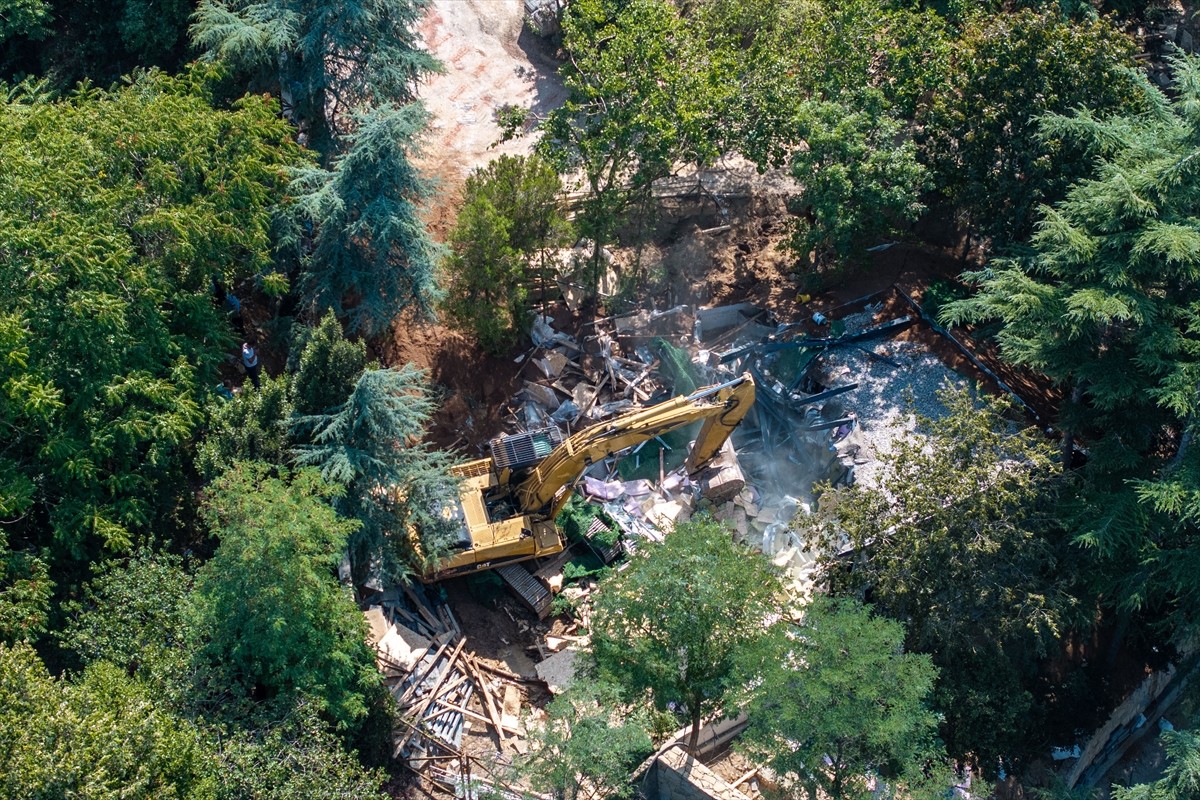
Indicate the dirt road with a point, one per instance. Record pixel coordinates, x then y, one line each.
490 61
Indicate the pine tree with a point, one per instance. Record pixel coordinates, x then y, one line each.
1181 778
371 445
371 255
1105 302
328 59
327 367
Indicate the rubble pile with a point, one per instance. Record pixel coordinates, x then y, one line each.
440 688
832 393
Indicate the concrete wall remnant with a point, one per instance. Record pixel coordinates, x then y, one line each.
675 775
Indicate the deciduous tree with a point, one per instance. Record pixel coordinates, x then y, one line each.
961 540
135 615
860 178
673 624
980 132
278 622
25 591
589 745
295 757
103 736
510 216
839 703
619 125
253 426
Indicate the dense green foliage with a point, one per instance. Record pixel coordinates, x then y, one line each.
327 367
328 60
621 125
253 426
587 746
369 444
1181 780
837 700
370 256
971 509
117 209
23 18
65 41
859 178
276 619
25 591
675 622
135 616
509 218
981 133
102 736
240 671
1105 304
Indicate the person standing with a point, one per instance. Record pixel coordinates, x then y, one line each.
250 362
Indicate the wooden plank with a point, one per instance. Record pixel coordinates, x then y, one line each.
412 688
422 610
487 701
466 712
631 387
503 673
419 714
456 683
744 778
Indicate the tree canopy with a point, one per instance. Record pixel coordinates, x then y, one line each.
838 702
587 747
510 217
980 134
370 445
328 60
969 509
365 251
673 624
117 210
276 619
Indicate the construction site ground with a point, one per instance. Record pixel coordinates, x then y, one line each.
719 244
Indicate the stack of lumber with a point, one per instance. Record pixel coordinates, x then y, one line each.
420 651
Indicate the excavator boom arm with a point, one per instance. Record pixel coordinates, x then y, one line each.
721 407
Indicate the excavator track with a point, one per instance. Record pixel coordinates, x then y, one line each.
531 591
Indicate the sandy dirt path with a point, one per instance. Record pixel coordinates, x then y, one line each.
490 60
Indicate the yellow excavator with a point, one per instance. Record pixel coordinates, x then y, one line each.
507 503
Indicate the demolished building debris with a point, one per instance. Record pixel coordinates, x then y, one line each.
833 392
441 688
